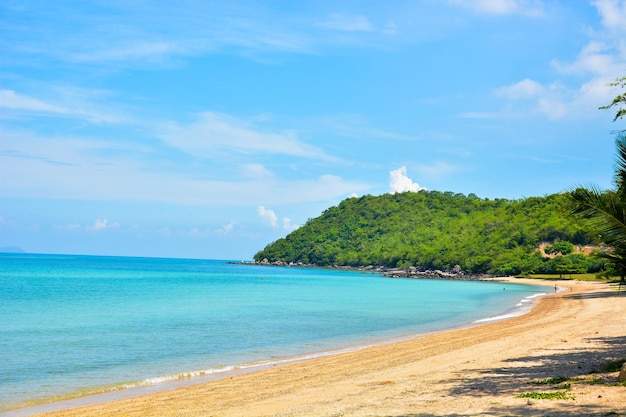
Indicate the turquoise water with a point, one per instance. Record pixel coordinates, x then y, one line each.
72 324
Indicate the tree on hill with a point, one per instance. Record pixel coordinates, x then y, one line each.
560 247
434 230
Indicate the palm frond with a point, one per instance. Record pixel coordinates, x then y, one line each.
615 258
620 166
605 213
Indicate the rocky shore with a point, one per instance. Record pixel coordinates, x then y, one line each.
411 272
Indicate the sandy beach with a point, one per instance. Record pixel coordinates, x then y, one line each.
479 370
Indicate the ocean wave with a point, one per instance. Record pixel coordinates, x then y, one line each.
522 308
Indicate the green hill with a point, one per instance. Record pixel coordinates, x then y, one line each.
435 230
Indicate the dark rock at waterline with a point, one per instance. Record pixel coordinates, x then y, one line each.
411 272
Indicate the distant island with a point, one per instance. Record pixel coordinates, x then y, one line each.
11 249
443 231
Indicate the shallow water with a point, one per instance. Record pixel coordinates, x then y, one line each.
79 324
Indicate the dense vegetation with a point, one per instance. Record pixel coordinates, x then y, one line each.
438 230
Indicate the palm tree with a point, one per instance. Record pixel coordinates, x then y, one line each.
605 211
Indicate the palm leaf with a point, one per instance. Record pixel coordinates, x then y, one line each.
620 166
605 213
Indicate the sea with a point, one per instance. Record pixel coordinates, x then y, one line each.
71 326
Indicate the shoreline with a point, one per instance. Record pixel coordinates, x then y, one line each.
133 389
388 272
286 387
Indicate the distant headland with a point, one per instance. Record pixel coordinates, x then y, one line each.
11 249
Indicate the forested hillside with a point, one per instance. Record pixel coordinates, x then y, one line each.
435 230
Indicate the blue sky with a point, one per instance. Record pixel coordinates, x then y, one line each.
208 129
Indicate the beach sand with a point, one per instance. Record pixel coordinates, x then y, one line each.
479 370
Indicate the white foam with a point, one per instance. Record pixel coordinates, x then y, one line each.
523 307
500 317
181 376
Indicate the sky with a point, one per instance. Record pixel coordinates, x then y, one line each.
209 129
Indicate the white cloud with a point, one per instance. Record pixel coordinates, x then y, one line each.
268 216
597 91
256 171
399 182
70 105
213 132
347 23
138 50
604 56
549 101
99 225
595 58
501 7
226 229
164 231
600 61
288 225
9 99
613 13
523 89
557 101
61 167
103 224
553 107
128 34
196 233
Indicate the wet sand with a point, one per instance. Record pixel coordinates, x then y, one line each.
479 370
